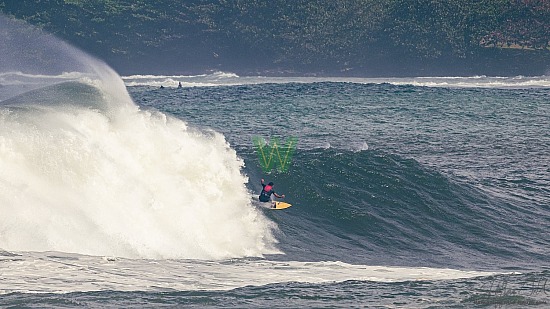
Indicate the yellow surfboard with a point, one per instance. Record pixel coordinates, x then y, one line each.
280 205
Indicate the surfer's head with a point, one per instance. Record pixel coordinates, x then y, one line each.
270 184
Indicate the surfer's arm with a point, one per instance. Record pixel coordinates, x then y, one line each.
279 196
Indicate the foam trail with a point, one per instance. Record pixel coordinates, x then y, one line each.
95 273
84 170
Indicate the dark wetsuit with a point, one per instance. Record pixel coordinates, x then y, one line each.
267 190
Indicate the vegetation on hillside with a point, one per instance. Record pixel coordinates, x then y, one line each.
335 34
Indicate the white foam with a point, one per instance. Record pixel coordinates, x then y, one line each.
226 79
62 273
132 184
116 181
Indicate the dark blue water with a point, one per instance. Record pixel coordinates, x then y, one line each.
390 175
386 175
403 174
518 291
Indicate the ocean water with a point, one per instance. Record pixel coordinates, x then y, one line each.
429 192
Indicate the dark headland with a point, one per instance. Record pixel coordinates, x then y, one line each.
303 37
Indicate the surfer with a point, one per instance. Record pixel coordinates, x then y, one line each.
267 190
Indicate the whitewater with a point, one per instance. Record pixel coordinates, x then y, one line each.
218 78
85 171
114 192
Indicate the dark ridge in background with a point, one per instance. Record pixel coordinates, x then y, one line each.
303 37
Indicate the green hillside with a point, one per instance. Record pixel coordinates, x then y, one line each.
357 37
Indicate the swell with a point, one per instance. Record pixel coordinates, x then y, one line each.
382 208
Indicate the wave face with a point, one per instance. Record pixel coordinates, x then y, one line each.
84 170
392 175
359 206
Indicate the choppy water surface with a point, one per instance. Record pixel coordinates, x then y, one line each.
406 192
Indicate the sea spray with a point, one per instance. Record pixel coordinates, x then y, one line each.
84 170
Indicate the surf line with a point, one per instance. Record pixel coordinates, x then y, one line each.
266 162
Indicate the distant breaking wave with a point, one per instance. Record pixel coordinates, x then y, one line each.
231 79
